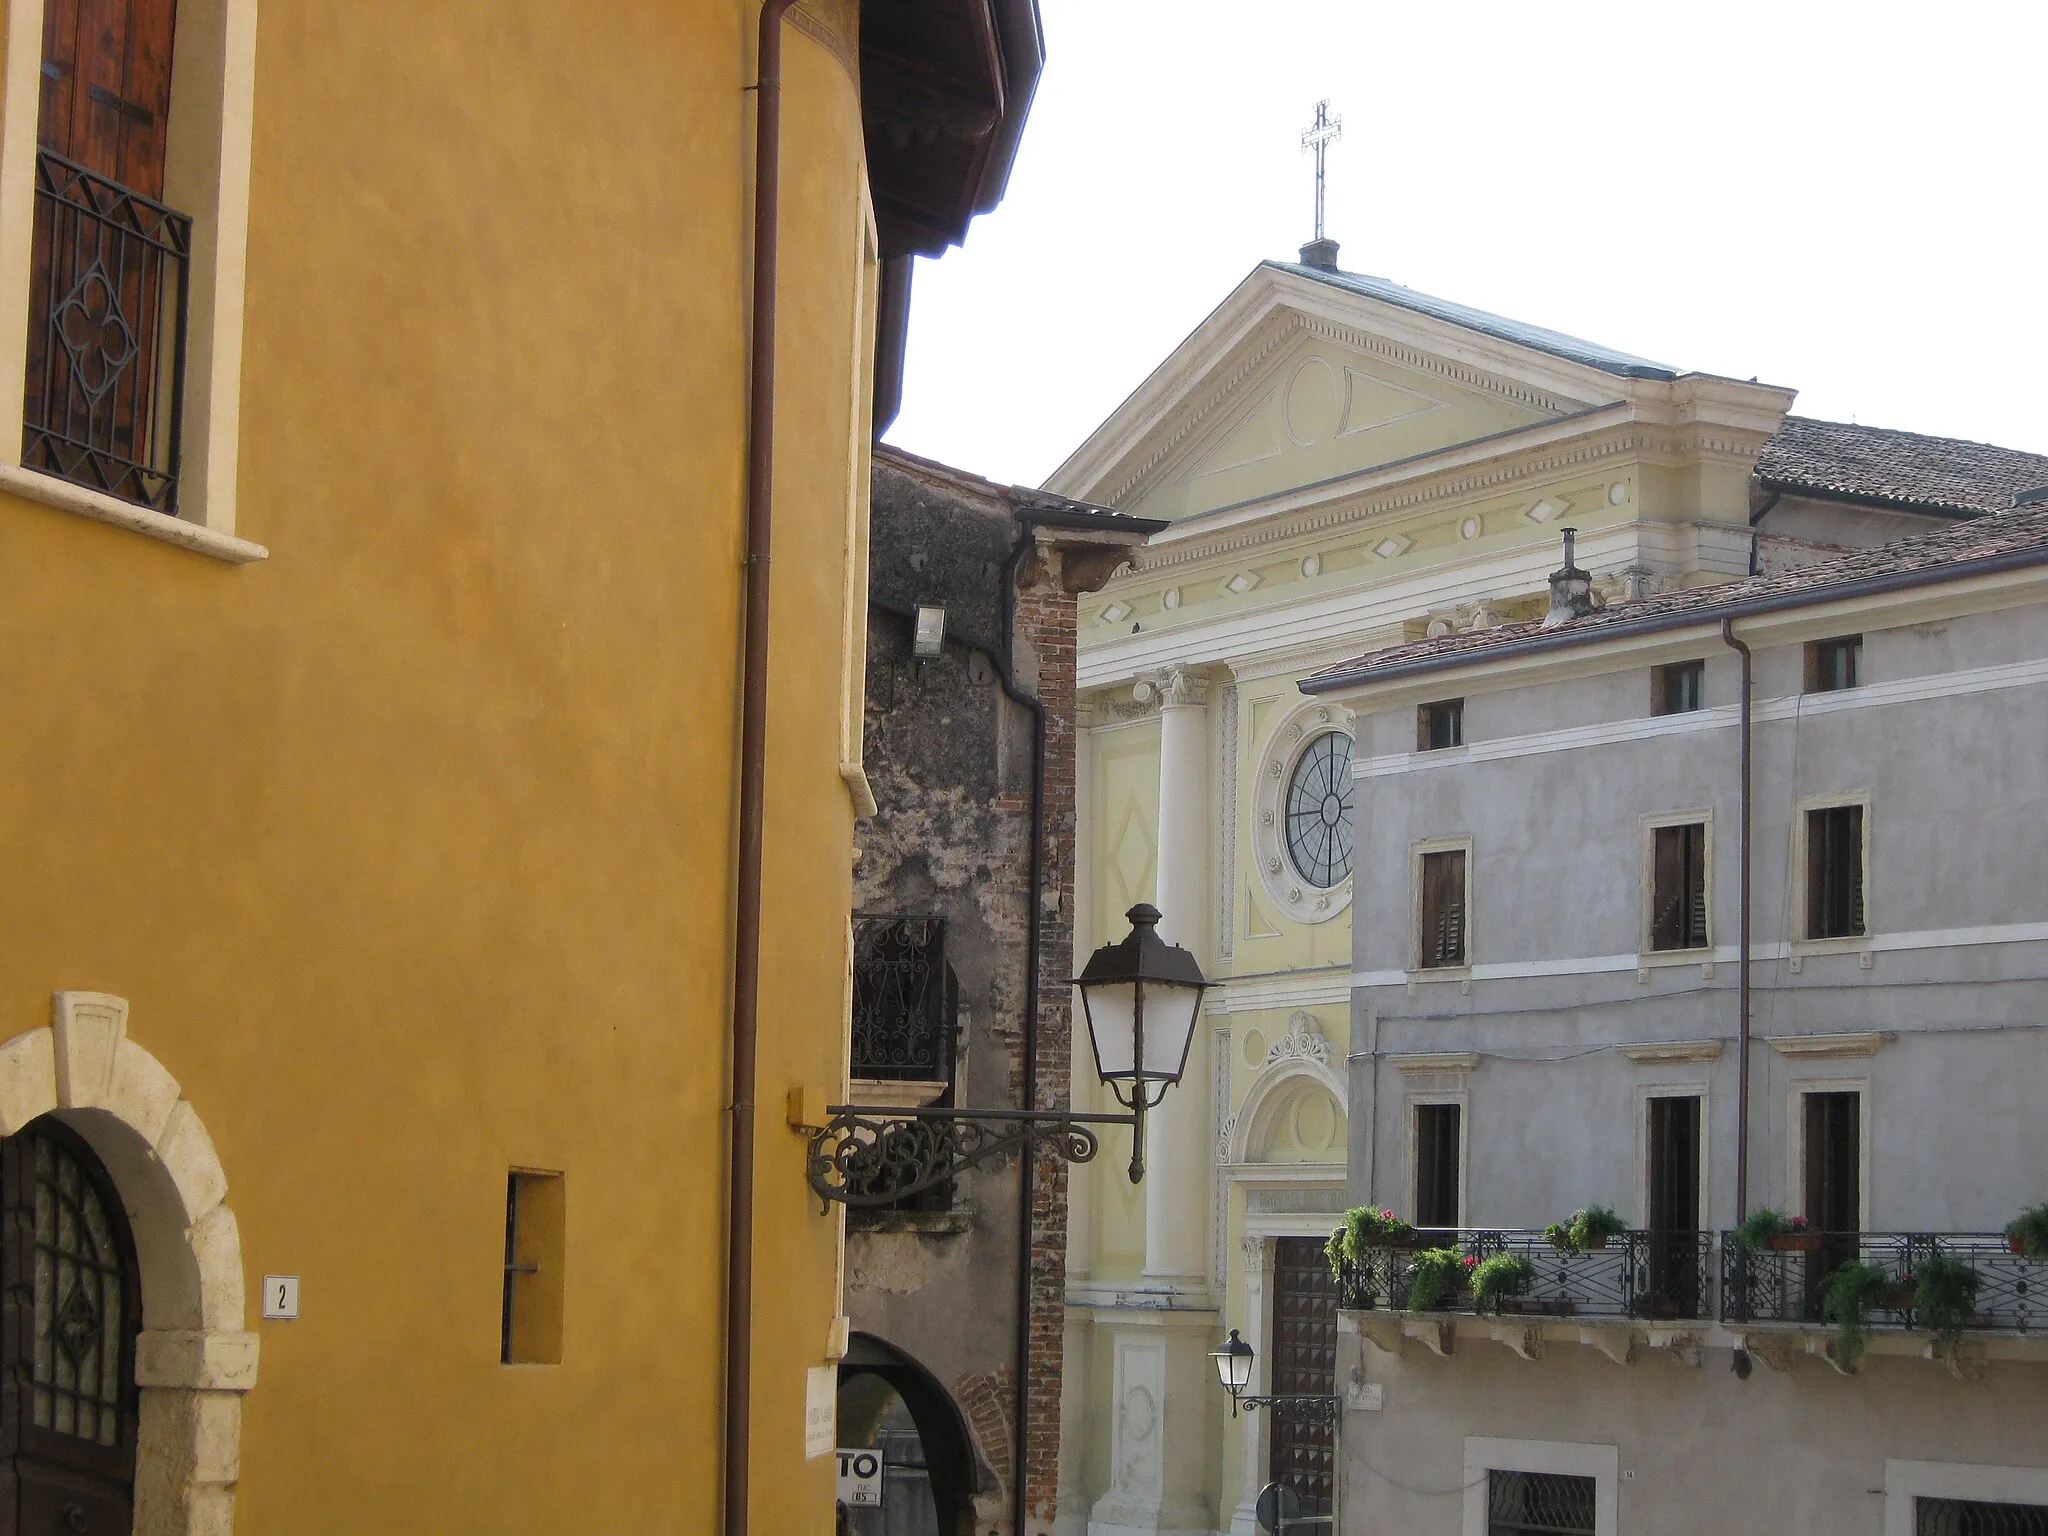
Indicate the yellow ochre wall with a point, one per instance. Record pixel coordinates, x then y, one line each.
412 845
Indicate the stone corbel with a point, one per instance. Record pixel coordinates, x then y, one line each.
1964 1359
1617 1344
1384 1329
1439 1335
1768 1349
1525 1339
1682 1344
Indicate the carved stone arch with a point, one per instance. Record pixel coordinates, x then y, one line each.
194 1359
1273 1089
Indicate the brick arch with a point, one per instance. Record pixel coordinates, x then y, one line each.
194 1359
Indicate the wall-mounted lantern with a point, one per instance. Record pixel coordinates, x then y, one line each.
1140 997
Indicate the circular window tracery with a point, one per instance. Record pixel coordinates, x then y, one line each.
1319 811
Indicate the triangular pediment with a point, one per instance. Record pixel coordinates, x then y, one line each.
1294 382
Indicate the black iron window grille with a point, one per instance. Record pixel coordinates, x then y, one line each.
1973 1517
903 999
106 365
1539 1504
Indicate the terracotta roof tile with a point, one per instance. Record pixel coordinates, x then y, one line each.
1945 474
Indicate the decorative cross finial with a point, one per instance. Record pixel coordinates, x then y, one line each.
1318 137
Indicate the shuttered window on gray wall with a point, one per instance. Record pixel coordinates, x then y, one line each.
1678 897
1443 909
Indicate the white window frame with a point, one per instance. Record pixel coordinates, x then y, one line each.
1908 1481
1853 943
1602 1463
1695 1088
1795 1142
1415 945
1699 953
206 175
1424 1099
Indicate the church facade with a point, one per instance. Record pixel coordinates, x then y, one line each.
1347 465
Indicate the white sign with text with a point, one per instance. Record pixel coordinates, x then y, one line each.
860 1478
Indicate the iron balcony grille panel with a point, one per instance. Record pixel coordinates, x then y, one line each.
1304 1364
1786 1286
1968 1517
1654 1276
902 1006
109 280
1539 1504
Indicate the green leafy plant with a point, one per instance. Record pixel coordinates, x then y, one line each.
1505 1274
1365 1229
1945 1295
1851 1292
1588 1228
1760 1226
1434 1277
2029 1230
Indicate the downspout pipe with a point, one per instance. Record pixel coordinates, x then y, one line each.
1745 819
1027 1160
746 944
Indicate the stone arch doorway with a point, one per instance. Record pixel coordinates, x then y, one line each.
192 1359
73 1308
875 1378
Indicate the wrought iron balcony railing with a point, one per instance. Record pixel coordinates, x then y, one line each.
110 276
1787 1283
1651 1276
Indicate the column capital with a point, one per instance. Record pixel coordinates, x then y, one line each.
1173 688
1258 1253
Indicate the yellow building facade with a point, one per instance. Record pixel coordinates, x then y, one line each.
371 666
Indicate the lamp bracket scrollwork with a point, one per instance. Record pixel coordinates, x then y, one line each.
875 1155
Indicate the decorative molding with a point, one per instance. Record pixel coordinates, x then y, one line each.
1225 1123
1304 1041
1270 1086
1660 1052
1433 1062
1267 994
1258 1252
1842 1045
1173 688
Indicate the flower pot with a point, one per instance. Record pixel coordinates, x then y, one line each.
1796 1242
2016 1243
1595 1242
1895 1298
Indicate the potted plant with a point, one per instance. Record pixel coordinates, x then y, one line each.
1585 1230
1945 1295
2027 1234
1497 1278
1852 1291
1435 1278
1775 1230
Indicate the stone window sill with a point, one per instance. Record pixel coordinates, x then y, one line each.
49 491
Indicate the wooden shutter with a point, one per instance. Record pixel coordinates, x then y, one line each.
106 96
1443 909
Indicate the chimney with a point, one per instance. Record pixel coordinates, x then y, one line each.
1571 589
1320 254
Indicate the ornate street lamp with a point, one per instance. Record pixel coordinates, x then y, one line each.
1234 1368
1140 998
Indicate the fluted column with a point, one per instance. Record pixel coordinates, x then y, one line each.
1177 1133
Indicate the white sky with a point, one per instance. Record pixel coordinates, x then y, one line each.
1850 199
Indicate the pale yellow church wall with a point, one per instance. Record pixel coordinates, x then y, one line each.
1322 410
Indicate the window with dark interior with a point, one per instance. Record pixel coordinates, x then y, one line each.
1442 914
1438 1133
530 1319
1974 1517
1832 665
1675 689
905 1012
1440 725
1678 880
1539 1504
1834 872
108 261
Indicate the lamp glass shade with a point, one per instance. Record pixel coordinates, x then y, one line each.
1112 1009
1233 1364
1169 1029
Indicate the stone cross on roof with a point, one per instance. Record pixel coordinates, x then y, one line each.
1317 137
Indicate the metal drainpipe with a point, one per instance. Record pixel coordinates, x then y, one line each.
1742 963
1027 1159
746 945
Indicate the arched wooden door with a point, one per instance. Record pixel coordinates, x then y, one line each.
70 1308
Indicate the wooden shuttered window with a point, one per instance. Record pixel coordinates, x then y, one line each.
1834 872
1678 887
1443 909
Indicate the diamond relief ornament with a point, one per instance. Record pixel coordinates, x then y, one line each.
78 1325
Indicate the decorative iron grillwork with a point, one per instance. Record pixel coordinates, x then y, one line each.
1539 1504
1653 1276
1970 1517
1770 1285
106 365
81 1276
877 1157
902 999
